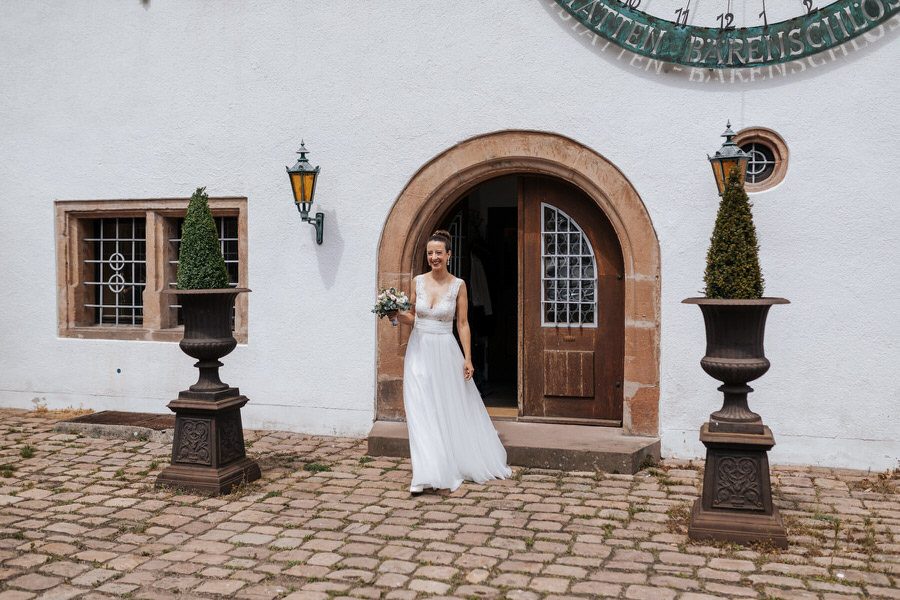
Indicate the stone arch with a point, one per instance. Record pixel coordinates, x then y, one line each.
444 179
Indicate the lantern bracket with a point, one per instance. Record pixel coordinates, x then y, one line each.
317 221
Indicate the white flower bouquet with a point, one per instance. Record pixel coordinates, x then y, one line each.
390 300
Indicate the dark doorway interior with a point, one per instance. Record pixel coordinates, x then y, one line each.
484 226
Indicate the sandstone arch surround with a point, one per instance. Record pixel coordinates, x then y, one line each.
440 182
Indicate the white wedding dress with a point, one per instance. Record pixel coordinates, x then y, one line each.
451 437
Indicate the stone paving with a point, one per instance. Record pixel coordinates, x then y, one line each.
80 518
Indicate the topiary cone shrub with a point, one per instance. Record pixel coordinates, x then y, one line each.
732 262
201 265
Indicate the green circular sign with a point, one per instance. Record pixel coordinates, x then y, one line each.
788 30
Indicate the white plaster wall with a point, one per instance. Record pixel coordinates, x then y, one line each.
112 99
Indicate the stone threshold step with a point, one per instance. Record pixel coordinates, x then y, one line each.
545 446
122 425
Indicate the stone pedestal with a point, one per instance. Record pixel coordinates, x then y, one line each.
208 450
208 453
736 501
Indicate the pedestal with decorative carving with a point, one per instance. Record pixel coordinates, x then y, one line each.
208 450
736 502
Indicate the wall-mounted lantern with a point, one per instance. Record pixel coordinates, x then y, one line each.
303 183
726 158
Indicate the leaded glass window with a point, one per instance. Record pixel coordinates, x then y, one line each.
119 265
569 275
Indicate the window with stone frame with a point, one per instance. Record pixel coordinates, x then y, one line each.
116 259
768 162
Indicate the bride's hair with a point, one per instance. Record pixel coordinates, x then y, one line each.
441 235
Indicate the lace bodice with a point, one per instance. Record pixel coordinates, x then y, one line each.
444 308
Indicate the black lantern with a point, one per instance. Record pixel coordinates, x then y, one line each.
726 158
303 183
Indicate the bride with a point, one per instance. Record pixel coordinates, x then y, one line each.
451 437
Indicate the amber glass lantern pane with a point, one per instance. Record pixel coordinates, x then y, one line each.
297 185
309 183
303 184
742 165
722 167
718 167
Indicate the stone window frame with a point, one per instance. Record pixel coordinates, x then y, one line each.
72 218
775 143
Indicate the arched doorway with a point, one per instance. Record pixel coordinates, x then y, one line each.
557 364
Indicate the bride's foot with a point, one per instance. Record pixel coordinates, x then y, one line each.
416 490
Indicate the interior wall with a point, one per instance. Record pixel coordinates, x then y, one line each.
501 192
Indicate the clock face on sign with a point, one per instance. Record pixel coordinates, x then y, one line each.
726 14
723 34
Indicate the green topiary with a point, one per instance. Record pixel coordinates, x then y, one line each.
200 262
732 262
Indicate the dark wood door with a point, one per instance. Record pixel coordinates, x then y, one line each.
572 315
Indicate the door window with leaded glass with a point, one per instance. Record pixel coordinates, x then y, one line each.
569 276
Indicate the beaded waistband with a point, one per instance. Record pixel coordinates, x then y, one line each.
432 326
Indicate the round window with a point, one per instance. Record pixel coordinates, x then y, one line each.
762 162
768 157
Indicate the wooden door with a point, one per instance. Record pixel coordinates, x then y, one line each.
572 331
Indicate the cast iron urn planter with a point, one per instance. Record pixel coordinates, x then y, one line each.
208 453
736 501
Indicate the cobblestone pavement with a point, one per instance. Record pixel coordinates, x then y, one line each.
80 518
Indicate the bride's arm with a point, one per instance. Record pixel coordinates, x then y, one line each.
408 316
462 327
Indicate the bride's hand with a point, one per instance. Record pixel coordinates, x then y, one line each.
468 370
392 314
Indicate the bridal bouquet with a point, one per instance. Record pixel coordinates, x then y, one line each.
389 300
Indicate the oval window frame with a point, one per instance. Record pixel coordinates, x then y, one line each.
769 138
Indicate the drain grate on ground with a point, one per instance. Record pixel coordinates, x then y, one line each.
131 419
